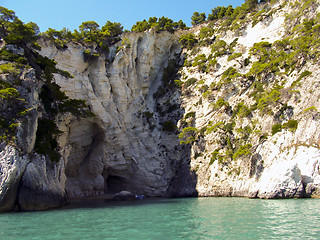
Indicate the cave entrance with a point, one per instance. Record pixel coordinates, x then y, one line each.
115 184
115 181
86 160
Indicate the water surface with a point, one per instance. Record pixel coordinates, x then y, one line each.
186 218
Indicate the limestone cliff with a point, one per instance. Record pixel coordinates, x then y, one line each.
253 109
174 120
117 149
121 147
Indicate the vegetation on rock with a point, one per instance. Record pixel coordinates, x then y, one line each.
89 32
19 58
159 24
255 81
238 94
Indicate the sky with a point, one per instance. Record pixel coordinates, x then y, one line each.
58 14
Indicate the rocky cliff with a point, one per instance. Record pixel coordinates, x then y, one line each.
224 113
123 146
253 104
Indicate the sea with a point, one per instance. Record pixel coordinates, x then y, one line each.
160 218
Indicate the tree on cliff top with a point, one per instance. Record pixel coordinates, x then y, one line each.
198 18
220 12
251 3
160 25
6 18
89 32
13 30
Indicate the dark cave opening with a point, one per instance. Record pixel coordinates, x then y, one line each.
115 184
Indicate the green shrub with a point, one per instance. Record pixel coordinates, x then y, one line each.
48 67
219 48
241 110
200 61
190 115
233 44
126 43
204 88
11 68
229 127
276 128
168 79
245 132
302 75
234 56
169 126
198 18
242 151
4 84
9 93
246 62
257 17
220 103
188 40
220 12
263 137
11 57
77 107
187 63
292 125
189 82
205 32
228 75
159 24
312 108
212 128
90 55
148 114
267 100
46 142
170 73
178 83
215 155
188 135
212 63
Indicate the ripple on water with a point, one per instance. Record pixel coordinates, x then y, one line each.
190 218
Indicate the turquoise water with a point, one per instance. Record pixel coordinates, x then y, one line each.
190 218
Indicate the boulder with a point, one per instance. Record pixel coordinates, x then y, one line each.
124 195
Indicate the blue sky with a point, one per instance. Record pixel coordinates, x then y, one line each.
71 13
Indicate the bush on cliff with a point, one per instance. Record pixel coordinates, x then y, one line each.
198 18
89 32
188 135
188 40
14 31
159 24
17 58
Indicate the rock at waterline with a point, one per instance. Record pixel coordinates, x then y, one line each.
124 195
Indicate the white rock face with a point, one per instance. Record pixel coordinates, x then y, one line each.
115 150
42 185
289 166
283 165
12 166
124 147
